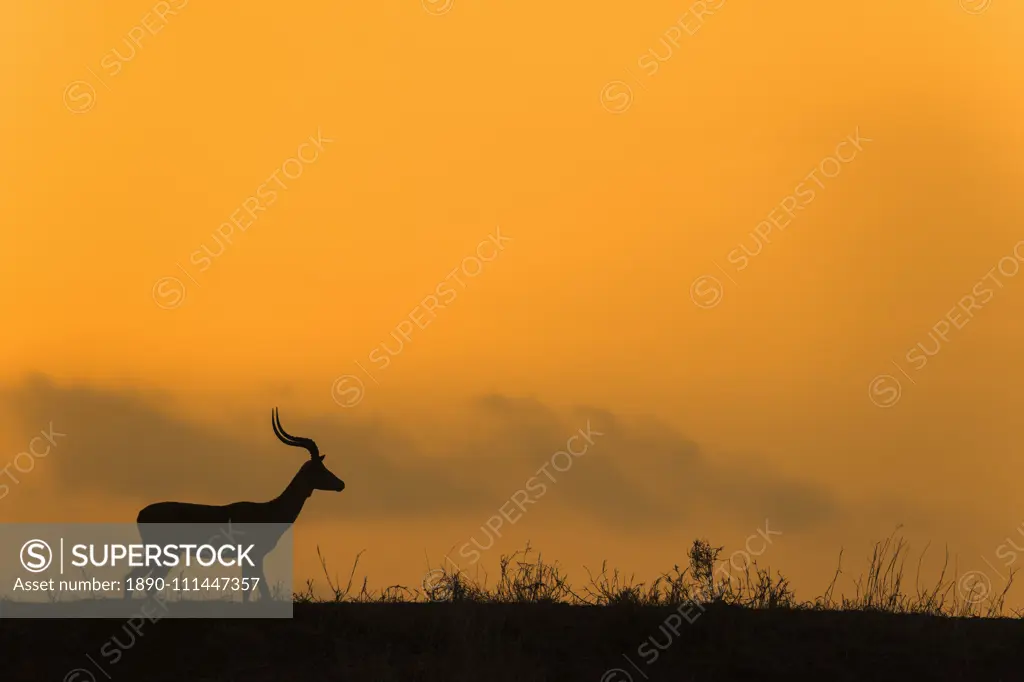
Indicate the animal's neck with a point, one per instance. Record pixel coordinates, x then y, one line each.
289 503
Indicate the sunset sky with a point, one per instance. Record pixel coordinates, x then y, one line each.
622 157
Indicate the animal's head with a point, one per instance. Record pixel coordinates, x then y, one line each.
313 472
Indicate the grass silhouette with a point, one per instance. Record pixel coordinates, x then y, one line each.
531 623
525 578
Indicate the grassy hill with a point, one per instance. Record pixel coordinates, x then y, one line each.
532 625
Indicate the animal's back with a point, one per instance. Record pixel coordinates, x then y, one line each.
154 521
183 512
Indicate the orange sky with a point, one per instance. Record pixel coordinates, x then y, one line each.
616 181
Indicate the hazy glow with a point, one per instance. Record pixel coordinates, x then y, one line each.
626 154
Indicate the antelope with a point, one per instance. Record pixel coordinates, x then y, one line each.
282 510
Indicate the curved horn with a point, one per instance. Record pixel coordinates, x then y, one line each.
289 439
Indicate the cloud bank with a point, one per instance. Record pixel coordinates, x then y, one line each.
636 473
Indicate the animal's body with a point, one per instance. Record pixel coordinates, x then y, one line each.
162 523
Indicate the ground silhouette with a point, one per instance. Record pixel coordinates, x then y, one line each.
533 625
518 642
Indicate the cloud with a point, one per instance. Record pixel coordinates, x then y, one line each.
638 473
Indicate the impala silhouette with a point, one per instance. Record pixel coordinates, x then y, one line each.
283 510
